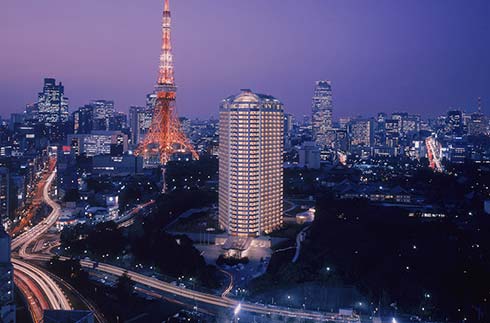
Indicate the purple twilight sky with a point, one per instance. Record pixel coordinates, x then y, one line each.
422 56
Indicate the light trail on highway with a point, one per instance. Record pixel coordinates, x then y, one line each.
54 295
210 299
36 302
37 195
34 282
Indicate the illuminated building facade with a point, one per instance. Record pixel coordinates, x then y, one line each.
99 143
139 123
51 111
250 164
83 119
361 132
322 106
52 106
103 114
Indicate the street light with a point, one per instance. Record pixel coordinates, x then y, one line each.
394 320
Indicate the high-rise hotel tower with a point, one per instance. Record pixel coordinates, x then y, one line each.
251 139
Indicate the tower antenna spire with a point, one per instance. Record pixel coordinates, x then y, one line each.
166 67
165 136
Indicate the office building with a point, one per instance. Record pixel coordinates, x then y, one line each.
103 114
83 120
120 165
337 139
309 155
50 112
406 123
139 123
99 143
288 130
151 100
119 121
52 106
478 123
454 123
250 164
392 133
322 106
361 132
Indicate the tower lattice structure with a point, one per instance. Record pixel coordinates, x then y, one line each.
165 136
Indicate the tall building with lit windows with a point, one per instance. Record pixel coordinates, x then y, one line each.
251 139
52 106
51 111
139 123
322 106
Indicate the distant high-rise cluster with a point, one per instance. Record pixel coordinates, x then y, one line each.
251 136
322 106
98 115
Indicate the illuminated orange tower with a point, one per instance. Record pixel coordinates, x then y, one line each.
165 136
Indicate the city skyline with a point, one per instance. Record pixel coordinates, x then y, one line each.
362 48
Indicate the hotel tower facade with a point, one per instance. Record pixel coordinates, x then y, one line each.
251 143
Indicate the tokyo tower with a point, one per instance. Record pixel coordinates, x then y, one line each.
165 136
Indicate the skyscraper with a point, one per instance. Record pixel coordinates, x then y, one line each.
139 123
288 128
52 106
7 306
83 119
478 124
51 110
250 164
322 106
361 132
103 114
454 123
98 142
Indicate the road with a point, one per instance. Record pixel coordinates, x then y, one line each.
34 199
210 299
195 296
40 290
127 218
